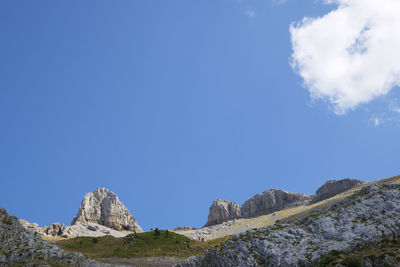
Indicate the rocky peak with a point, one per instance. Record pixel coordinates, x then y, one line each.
334 187
222 211
103 207
270 201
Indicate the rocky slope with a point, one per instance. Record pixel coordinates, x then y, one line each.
104 208
19 246
334 187
274 200
80 229
366 217
270 201
222 211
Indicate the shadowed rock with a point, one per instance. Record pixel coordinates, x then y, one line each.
334 187
222 211
19 246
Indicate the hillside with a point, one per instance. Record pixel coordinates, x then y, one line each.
349 224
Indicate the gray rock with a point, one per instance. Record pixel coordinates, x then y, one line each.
367 217
54 229
19 246
334 187
91 228
270 201
222 211
103 207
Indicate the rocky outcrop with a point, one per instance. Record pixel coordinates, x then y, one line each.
104 208
80 229
19 246
366 217
334 187
270 201
222 211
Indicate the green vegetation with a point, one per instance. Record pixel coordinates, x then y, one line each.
385 248
352 262
149 244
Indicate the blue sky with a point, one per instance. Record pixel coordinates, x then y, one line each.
172 104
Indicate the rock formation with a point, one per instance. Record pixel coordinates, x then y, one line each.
19 246
103 207
334 187
366 217
222 211
270 201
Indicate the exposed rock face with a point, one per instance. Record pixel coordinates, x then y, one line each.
334 187
80 229
103 207
367 217
270 201
222 211
19 246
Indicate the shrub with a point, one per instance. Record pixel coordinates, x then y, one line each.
352 262
156 232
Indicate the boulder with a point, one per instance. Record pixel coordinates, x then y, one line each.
103 207
270 201
54 229
334 187
222 211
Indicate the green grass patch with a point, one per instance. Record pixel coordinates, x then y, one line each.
149 244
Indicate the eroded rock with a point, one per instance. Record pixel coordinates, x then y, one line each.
270 201
222 211
334 187
103 207
19 246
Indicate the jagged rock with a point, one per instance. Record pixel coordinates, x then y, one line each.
19 246
270 201
103 207
54 229
222 211
367 217
334 187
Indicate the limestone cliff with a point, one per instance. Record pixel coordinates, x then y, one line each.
334 187
270 201
104 208
222 211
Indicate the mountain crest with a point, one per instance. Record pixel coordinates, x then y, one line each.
104 207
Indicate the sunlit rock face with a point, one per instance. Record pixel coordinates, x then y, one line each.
270 201
103 207
222 211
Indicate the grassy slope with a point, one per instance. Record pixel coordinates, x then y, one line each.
138 245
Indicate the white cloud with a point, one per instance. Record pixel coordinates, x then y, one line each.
250 13
351 55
